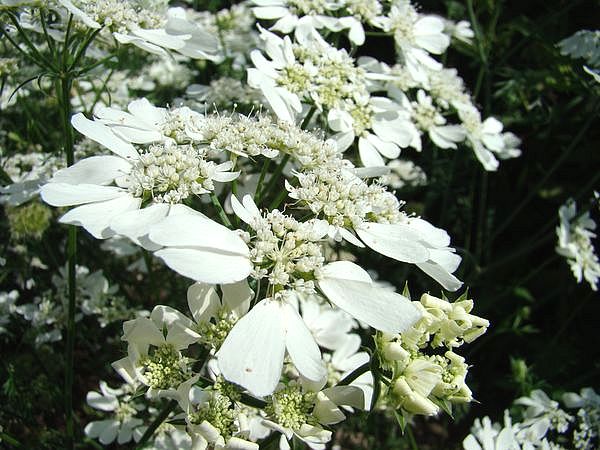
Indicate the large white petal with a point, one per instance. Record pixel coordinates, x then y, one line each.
195 230
206 265
387 149
301 345
100 133
137 223
237 297
93 170
129 127
270 12
436 237
96 217
63 194
383 310
252 353
398 241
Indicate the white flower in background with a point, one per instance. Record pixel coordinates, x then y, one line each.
460 30
329 326
303 16
301 410
485 137
447 88
7 307
429 119
123 423
416 36
213 419
150 25
224 93
485 436
542 414
575 236
344 360
403 173
587 403
28 172
154 351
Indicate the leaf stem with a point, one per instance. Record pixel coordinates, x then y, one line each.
156 423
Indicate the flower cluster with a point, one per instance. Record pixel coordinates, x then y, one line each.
422 378
575 234
543 424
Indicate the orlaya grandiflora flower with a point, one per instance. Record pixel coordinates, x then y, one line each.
485 137
274 326
119 401
213 419
154 351
429 120
128 192
301 409
302 17
391 128
367 214
416 36
266 76
147 25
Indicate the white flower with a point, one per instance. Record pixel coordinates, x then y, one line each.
302 16
7 307
392 129
154 350
300 410
428 119
485 137
575 243
416 36
124 423
149 185
148 25
485 436
403 173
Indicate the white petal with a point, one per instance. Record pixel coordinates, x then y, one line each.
162 38
436 237
245 214
137 223
387 149
109 433
381 309
441 275
96 217
346 395
270 12
102 402
100 133
203 301
301 345
195 230
143 109
206 265
252 354
63 194
398 241
237 296
369 155
93 170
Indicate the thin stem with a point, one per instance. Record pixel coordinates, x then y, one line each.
217 204
156 423
261 178
276 174
309 115
355 374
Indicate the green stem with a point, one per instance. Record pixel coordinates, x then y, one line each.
411 438
217 204
156 423
355 374
275 177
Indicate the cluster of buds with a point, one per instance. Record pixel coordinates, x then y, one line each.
425 379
